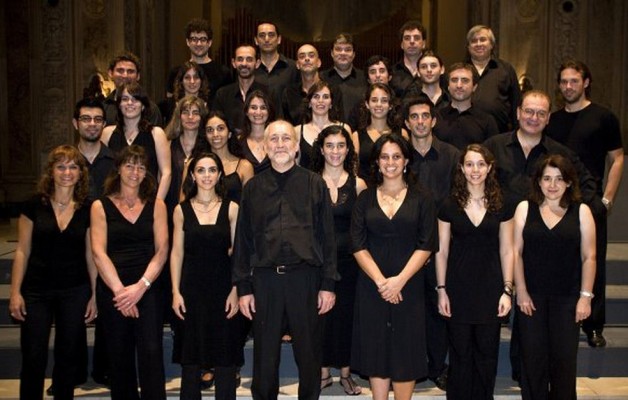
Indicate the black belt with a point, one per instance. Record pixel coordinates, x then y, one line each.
284 269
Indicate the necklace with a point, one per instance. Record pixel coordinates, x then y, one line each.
207 204
129 204
61 205
391 199
129 140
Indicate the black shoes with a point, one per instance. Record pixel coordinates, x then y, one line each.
596 339
441 381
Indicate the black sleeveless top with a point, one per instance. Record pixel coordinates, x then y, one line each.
144 139
551 257
130 246
233 185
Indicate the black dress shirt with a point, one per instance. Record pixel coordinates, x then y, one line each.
352 87
514 170
402 78
435 171
284 219
98 170
463 128
498 93
229 101
283 74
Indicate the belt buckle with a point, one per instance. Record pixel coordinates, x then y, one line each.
281 269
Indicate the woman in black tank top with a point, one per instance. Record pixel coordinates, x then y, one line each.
554 273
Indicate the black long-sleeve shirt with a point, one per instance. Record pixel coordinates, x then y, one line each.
285 218
514 170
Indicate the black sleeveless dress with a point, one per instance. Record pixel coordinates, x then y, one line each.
339 321
208 338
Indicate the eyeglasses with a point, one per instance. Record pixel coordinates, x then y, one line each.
529 113
86 119
196 39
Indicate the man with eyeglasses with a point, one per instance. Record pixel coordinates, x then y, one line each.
198 37
593 132
276 71
433 164
230 99
517 154
123 69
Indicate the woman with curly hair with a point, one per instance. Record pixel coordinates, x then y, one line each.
474 270
334 158
53 275
378 116
320 112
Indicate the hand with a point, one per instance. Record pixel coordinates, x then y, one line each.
444 307
91 312
247 305
178 305
129 296
231 304
583 309
132 312
504 306
326 301
390 289
524 301
17 307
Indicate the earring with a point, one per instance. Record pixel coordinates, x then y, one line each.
404 169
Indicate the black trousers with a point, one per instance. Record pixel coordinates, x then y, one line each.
549 349
435 325
473 356
597 319
67 309
291 298
127 338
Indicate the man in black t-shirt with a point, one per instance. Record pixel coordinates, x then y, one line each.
198 37
593 133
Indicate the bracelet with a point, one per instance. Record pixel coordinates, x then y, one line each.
437 288
146 282
584 293
508 290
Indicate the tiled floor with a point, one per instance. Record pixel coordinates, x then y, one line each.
602 373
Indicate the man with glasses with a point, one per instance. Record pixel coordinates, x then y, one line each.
198 37
516 156
276 71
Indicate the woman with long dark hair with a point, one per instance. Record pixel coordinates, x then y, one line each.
190 81
334 157
259 112
130 246
203 296
474 270
378 116
53 275
134 128
320 112
393 233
